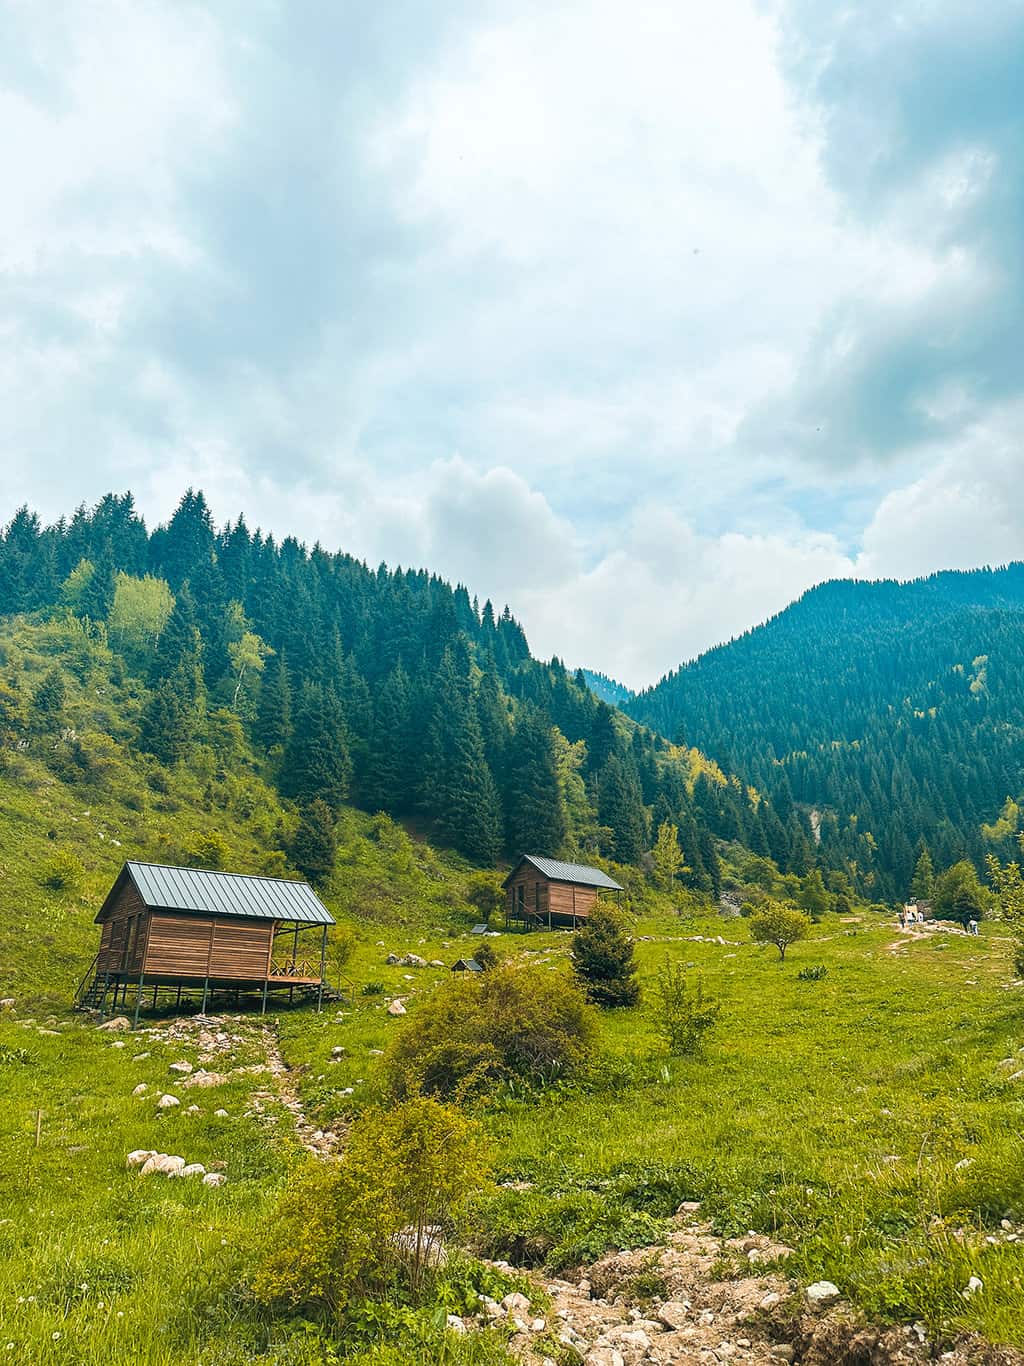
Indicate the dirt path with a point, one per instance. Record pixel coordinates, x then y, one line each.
323 1142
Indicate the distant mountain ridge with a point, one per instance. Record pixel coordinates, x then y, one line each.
895 709
607 689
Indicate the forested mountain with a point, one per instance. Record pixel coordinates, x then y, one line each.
387 689
607 689
895 711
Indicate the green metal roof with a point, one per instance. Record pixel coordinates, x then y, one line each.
580 873
207 892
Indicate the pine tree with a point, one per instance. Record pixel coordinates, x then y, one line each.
169 719
535 815
48 698
314 845
922 885
709 857
602 959
97 597
316 761
458 788
273 724
386 785
620 808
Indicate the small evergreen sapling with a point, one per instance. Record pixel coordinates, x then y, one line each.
602 959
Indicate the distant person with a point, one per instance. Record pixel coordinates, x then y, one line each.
903 919
972 927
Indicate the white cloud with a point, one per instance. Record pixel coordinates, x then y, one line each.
966 510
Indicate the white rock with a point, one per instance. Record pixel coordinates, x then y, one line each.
140 1156
141 1089
193 1110
455 1324
182 1068
205 1079
220 1114
963 1164
118 1022
396 1008
120 1042
7 1003
537 1326
193 1169
140 1057
166 1164
167 1102
973 1286
515 1303
214 1179
823 1292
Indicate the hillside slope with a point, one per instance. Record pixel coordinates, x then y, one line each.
389 689
895 709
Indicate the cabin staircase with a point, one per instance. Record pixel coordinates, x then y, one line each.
90 990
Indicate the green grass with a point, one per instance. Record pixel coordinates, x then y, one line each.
831 1112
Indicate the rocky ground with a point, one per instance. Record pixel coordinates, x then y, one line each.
705 1299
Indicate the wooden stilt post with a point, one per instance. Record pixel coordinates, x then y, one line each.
323 969
138 1003
266 984
178 998
206 992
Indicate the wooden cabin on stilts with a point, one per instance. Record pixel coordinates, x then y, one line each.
187 933
545 893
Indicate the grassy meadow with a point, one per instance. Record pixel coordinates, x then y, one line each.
868 1118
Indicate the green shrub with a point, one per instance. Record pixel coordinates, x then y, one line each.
602 959
683 1014
478 1028
62 873
372 1222
206 849
814 974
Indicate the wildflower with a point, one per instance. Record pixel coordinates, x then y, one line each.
55 1336
101 1305
120 1313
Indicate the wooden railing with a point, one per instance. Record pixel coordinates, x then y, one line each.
301 967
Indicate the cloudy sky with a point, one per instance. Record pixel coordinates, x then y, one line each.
640 317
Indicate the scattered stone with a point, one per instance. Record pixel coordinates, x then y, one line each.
822 1292
455 1324
119 1043
515 1303
396 1008
214 1179
7 1003
141 1089
392 960
193 1169
140 1057
162 1163
973 1286
436 963
118 1022
140 1156
673 1314
220 1114
183 1069
193 1110
205 1079
167 1102
337 1050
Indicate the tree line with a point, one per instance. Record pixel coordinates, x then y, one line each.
386 688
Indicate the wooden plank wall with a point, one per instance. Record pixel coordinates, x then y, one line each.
123 939
201 947
562 898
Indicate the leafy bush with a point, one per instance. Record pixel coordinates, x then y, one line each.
683 1015
486 895
602 959
372 1222
513 1021
206 849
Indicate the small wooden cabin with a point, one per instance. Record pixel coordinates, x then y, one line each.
547 892
196 931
